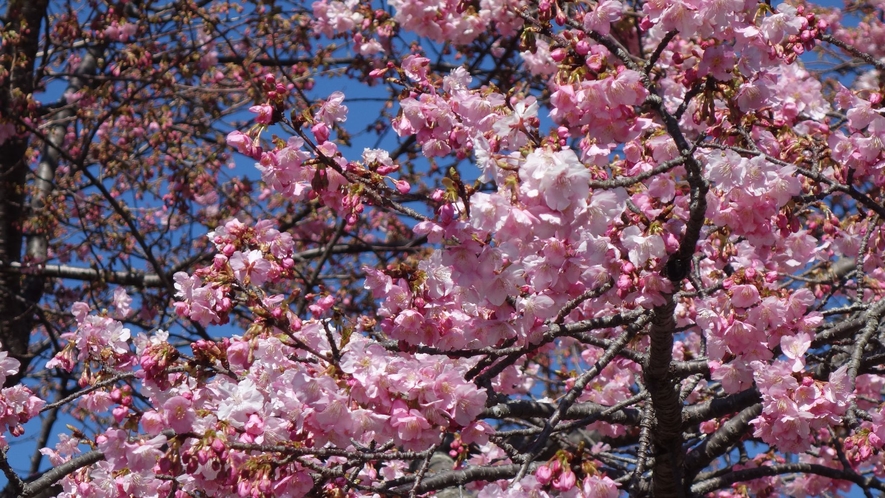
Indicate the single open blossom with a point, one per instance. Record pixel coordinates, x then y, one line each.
794 348
558 177
250 267
416 67
8 366
409 423
122 303
744 296
642 248
600 487
782 24
513 128
239 401
718 61
600 18
333 110
264 113
179 414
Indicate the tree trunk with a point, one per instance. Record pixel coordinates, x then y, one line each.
17 59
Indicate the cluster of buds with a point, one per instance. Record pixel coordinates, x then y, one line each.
209 352
155 360
798 44
861 446
458 450
271 111
557 473
210 452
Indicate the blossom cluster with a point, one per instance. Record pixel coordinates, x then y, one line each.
794 409
18 404
247 255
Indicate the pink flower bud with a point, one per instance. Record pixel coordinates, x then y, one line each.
403 186
565 481
543 474
582 47
321 132
558 54
120 413
265 113
217 446
203 456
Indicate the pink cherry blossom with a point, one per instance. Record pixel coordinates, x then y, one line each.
744 296
642 248
333 110
783 24
264 112
601 17
250 267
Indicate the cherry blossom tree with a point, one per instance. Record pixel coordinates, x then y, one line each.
589 249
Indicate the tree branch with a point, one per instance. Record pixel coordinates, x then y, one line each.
720 442
55 474
719 407
462 477
720 482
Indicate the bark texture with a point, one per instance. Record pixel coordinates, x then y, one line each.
17 59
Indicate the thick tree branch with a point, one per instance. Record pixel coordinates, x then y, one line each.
152 280
17 61
730 478
720 442
535 409
57 473
119 277
37 244
462 477
719 407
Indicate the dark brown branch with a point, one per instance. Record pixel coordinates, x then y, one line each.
869 59
588 410
719 407
720 442
461 477
720 482
55 474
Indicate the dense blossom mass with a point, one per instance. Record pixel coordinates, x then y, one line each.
582 249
